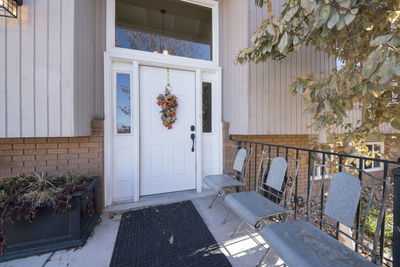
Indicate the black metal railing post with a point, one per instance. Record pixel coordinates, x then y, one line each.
382 237
255 167
296 187
396 222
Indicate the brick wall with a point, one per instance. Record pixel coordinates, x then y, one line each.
54 155
300 141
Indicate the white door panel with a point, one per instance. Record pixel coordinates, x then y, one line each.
167 163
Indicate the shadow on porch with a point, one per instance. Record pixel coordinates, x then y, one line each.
243 250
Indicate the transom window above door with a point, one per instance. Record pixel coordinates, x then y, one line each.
172 27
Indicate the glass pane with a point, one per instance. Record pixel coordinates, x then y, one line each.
207 107
184 30
377 164
366 167
123 103
377 148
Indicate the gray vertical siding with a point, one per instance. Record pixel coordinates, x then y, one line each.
31 82
88 21
256 97
273 110
88 54
234 36
51 68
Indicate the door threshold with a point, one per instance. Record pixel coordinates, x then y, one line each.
159 199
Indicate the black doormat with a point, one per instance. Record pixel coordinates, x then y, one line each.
170 235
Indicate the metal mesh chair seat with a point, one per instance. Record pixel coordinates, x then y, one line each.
220 181
251 206
299 243
270 201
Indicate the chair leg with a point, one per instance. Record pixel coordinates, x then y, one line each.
227 216
264 257
212 203
237 229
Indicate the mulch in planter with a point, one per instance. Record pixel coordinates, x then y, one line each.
170 235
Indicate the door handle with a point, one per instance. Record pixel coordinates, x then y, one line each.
192 136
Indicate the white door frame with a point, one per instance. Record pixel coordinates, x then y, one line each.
109 59
137 58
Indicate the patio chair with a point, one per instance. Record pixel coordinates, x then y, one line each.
271 200
235 175
301 243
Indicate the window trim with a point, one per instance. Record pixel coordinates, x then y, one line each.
318 175
382 150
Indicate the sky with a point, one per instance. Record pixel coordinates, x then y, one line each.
123 99
199 50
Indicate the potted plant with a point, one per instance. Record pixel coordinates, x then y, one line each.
41 214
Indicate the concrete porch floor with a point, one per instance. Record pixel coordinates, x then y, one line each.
241 250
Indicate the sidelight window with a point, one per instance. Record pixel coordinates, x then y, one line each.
123 103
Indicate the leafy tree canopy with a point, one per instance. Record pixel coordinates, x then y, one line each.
364 35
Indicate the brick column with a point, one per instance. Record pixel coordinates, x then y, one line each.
227 144
55 155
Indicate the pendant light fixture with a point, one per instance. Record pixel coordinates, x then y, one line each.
163 12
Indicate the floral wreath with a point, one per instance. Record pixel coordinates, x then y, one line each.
169 104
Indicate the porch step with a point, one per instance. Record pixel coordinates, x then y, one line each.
159 199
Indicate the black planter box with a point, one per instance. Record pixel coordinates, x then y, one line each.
49 232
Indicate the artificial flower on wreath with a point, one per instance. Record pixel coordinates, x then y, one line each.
169 104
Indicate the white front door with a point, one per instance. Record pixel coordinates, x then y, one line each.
167 162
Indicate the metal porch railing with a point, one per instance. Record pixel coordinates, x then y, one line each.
301 192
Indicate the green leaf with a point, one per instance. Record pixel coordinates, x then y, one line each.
354 11
283 43
387 70
344 3
396 123
353 81
349 18
339 108
381 39
259 3
340 25
306 5
349 105
395 41
253 38
290 14
369 68
295 40
325 12
333 82
397 69
271 29
320 107
333 20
